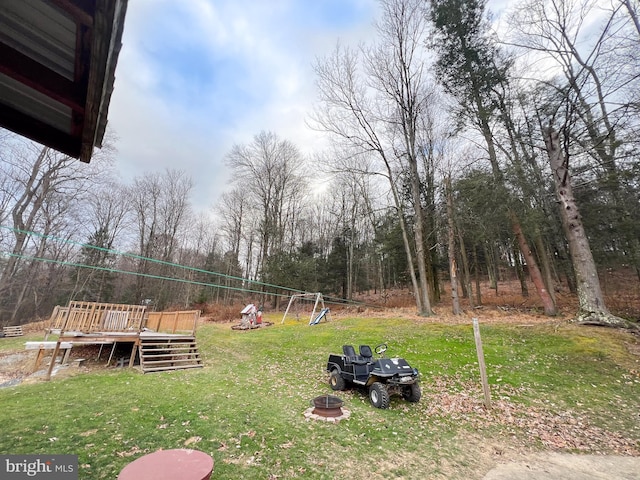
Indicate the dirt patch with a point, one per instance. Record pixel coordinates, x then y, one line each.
553 466
14 367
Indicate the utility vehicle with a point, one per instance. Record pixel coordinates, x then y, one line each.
382 377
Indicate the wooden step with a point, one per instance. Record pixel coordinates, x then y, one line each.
158 363
162 353
167 339
169 368
168 353
161 350
184 361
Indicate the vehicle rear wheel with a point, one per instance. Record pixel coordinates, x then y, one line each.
379 395
336 381
412 393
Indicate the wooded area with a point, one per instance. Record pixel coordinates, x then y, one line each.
462 149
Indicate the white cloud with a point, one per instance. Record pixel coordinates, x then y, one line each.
197 76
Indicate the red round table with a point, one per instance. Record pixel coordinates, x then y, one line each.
180 464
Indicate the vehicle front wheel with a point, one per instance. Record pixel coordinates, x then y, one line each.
336 381
412 393
379 395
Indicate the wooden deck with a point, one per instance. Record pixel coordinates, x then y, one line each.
163 340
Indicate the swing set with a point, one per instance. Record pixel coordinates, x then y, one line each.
302 298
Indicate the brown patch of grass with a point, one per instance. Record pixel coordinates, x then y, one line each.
221 313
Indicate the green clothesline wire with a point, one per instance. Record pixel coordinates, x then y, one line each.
139 257
147 275
171 279
161 262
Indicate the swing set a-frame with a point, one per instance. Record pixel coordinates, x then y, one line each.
319 300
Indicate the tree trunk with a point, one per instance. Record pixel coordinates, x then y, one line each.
421 255
407 246
477 275
412 272
33 195
492 269
453 269
632 14
534 272
465 269
592 308
546 265
517 261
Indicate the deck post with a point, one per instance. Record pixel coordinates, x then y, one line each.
113 349
38 359
136 345
53 359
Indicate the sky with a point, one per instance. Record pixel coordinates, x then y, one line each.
196 77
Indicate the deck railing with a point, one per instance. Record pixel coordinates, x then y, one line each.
184 322
92 317
58 318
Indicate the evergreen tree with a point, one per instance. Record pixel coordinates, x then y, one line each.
94 282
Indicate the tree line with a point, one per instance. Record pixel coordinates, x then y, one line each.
462 149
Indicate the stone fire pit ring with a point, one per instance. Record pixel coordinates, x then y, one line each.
328 408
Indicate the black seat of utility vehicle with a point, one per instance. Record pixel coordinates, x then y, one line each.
366 353
350 355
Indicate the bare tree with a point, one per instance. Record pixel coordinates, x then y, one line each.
379 112
346 113
233 211
268 172
355 201
451 244
160 204
108 217
200 241
41 191
349 207
632 9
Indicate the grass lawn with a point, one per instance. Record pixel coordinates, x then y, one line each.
554 387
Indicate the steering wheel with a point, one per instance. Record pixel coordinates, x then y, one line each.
380 349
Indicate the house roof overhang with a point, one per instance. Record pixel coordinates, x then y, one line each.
57 70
